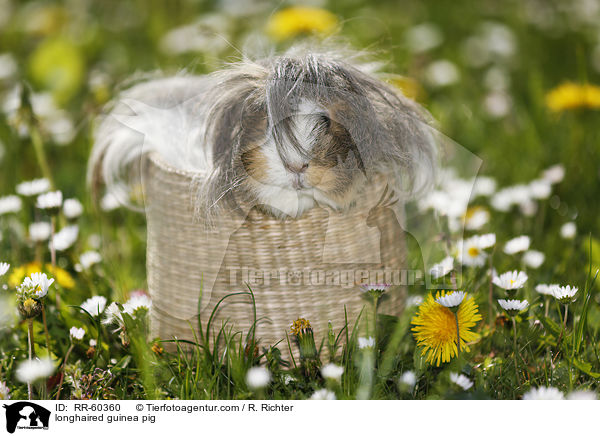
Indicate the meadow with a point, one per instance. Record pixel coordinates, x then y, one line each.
514 83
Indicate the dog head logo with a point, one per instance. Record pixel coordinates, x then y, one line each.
26 415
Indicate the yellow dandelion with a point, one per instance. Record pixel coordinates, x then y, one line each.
409 87
300 326
63 278
296 20
435 328
572 96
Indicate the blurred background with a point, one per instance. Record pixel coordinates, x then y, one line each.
512 81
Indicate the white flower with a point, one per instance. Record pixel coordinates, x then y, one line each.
366 342
545 289
38 282
423 37
511 280
3 268
506 198
564 294
533 258
89 258
8 64
568 230
451 300
109 201
287 379
544 393
442 73
487 240
112 314
516 245
540 189
484 186
408 378
443 268
72 208
136 302
10 204
575 395
94 305
332 371
323 394
497 104
4 391
65 238
513 305
33 187
40 231
258 377
93 342
29 371
49 200
377 287
554 174
76 333
476 219
414 300
461 380
470 252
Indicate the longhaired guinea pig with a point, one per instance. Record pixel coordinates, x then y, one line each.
286 133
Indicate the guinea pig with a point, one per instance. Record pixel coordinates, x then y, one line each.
286 133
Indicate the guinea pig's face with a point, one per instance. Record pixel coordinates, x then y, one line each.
322 168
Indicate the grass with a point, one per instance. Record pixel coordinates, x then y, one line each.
94 50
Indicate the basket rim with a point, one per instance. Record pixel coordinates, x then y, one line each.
156 158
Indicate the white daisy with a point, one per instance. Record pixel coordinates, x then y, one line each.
443 268
476 219
554 174
576 395
506 198
29 371
533 258
366 342
38 282
451 300
112 314
136 302
65 238
484 186
33 187
408 379
568 230
513 306
76 334
89 258
511 280
3 268
4 391
423 37
518 244
93 342
72 208
10 204
414 300
544 393
442 73
323 394
540 189
564 294
109 201
377 287
49 200
94 305
487 240
545 289
332 371
470 252
40 231
258 377
461 380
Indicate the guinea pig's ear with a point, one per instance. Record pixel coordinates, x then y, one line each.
339 114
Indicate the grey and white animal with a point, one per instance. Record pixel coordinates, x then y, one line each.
287 133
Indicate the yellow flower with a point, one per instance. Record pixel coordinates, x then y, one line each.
295 20
300 326
572 96
63 278
409 87
435 328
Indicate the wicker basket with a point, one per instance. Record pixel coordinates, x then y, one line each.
303 257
